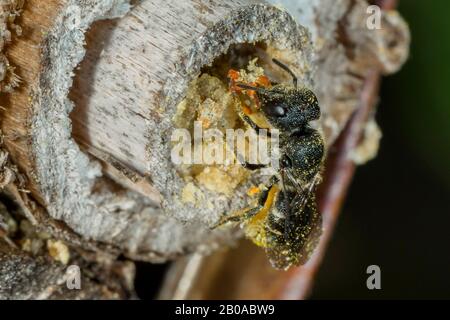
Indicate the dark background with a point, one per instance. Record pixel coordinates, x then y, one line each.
397 213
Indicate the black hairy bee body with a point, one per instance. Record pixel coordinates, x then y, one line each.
285 220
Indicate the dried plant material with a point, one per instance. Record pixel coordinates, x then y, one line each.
8 171
209 101
8 226
392 42
222 180
369 145
252 73
58 251
9 11
31 240
192 194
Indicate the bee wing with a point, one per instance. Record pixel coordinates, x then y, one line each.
300 200
290 180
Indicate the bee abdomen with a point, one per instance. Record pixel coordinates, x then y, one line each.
292 241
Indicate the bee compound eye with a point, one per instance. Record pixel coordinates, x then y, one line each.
286 162
274 107
276 111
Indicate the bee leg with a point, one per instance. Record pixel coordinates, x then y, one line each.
238 216
247 213
251 166
273 180
253 125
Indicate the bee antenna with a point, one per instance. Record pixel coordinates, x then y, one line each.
286 68
245 86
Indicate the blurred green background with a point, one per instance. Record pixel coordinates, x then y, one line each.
397 214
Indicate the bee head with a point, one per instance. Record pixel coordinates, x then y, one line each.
289 109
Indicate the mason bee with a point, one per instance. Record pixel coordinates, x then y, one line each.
285 220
